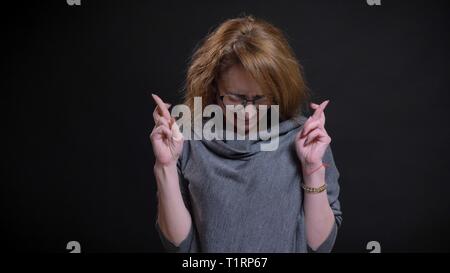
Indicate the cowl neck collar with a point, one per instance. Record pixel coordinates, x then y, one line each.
244 149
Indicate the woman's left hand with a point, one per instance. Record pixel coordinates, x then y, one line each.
312 141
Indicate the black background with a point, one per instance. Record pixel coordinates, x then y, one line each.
77 163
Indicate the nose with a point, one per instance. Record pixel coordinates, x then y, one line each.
250 111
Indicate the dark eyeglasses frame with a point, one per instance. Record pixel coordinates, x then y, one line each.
244 100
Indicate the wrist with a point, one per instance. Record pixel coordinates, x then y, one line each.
311 167
164 166
314 174
164 173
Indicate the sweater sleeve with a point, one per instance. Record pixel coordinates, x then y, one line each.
331 178
190 243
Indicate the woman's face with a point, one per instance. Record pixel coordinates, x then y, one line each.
237 81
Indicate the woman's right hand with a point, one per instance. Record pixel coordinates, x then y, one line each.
167 141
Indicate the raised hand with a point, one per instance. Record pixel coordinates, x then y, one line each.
167 141
312 141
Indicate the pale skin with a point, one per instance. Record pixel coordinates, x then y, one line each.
311 142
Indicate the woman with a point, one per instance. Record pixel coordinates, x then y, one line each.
230 196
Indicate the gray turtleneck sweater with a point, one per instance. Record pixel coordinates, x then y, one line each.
242 199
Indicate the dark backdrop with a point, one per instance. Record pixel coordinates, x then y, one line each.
76 157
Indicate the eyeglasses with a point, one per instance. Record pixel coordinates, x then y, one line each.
235 99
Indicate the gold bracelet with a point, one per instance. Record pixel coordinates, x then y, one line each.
314 190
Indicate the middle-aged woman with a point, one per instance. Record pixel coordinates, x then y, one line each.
229 195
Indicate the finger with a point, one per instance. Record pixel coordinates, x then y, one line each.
171 122
161 132
314 106
162 121
157 115
311 136
320 109
176 134
301 139
322 120
322 116
162 106
324 137
310 125
317 134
